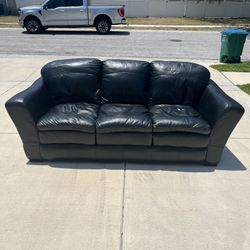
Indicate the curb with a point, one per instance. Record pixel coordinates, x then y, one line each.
162 26
178 26
9 23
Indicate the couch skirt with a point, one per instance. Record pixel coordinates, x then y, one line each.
74 152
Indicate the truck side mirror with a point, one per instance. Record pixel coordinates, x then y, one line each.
45 7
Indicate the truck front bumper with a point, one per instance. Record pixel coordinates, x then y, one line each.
20 21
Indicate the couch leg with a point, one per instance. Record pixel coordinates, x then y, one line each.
210 164
213 156
32 152
36 160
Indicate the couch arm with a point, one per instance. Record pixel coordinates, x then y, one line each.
222 113
25 109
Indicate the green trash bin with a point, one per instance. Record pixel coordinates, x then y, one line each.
232 43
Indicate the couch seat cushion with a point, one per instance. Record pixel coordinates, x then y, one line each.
124 138
178 118
114 118
66 137
70 117
180 139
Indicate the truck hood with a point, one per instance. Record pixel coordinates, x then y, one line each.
35 7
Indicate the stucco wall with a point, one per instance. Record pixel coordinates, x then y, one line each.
173 8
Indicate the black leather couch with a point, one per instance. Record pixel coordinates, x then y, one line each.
124 110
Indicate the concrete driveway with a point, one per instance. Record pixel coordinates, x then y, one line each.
90 206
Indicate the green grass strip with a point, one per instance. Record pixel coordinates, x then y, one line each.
233 67
245 88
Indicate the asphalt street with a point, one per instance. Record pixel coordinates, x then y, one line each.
187 45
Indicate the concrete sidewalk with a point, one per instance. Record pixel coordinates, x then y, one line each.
237 78
90 206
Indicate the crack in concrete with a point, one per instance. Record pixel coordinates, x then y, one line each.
229 79
123 206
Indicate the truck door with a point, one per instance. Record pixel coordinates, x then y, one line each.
65 12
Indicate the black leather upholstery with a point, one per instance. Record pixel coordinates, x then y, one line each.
177 82
178 118
65 137
76 80
124 81
125 138
123 118
124 124
222 113
70 117
25 109
103 153
123 110
188 140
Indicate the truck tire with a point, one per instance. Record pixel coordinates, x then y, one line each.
103 25
33 25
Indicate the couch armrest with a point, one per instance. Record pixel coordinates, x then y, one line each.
222 113
25 109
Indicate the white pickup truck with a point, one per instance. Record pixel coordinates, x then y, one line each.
70 13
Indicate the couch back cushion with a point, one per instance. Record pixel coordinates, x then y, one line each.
177 82
76 80
125 81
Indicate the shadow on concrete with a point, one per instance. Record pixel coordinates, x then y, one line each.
229 162
80 32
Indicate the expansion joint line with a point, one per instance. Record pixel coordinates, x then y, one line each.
123 206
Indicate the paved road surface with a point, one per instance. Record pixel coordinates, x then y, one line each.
103 206
188 45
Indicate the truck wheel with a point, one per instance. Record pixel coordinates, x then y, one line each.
103 26
33 25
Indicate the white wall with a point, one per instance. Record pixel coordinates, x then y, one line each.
22 3
172 8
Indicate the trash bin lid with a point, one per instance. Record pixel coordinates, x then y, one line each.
239 32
